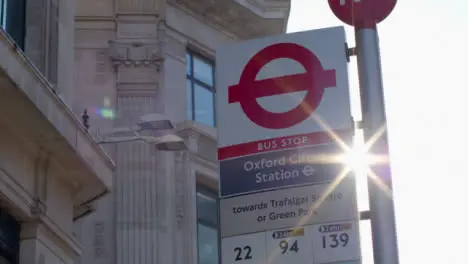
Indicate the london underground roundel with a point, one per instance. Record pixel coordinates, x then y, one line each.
314 81
281 86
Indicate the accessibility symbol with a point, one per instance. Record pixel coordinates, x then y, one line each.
308 170
314 81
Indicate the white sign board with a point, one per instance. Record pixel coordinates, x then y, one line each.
281 101
336 242
285 77
284 208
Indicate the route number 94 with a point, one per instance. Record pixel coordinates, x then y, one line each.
285 246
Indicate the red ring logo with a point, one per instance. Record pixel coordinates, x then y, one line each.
314 81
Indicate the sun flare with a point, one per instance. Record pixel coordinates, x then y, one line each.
357 158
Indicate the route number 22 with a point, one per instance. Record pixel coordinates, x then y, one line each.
243 253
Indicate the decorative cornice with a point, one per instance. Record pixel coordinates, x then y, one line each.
245 19
135 54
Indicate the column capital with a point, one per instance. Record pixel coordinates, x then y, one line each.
136 54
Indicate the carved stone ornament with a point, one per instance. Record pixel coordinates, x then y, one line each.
134 54
38 208
179 186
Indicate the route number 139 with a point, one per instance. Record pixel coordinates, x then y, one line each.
335 240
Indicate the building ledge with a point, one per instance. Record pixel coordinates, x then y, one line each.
269 9
201 142
36 113
245 19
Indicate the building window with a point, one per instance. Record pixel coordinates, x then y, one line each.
12 19
207 214
3 6
9 238
200 89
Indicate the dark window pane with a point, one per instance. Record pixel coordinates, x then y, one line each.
9 237
207 245
200 106
189 100
188 66
204 105
207 209
15 20
3 13
203 71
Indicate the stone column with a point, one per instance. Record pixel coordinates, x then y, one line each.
145 187
142 187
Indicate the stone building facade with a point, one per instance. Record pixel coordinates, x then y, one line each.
157 56
51 170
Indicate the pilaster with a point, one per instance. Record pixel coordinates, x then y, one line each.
144 189
36 32
155 190
37 246
42 35
141 190
174 72
186 214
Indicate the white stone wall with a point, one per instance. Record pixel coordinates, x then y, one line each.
133 52
39 137
28 175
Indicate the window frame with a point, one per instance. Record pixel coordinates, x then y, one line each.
210 193
14 25
190 77
3 4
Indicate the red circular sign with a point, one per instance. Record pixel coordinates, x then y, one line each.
362 13
314 81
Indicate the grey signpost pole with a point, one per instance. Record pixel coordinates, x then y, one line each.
384 238
364 15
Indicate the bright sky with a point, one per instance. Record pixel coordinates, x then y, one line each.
424 56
